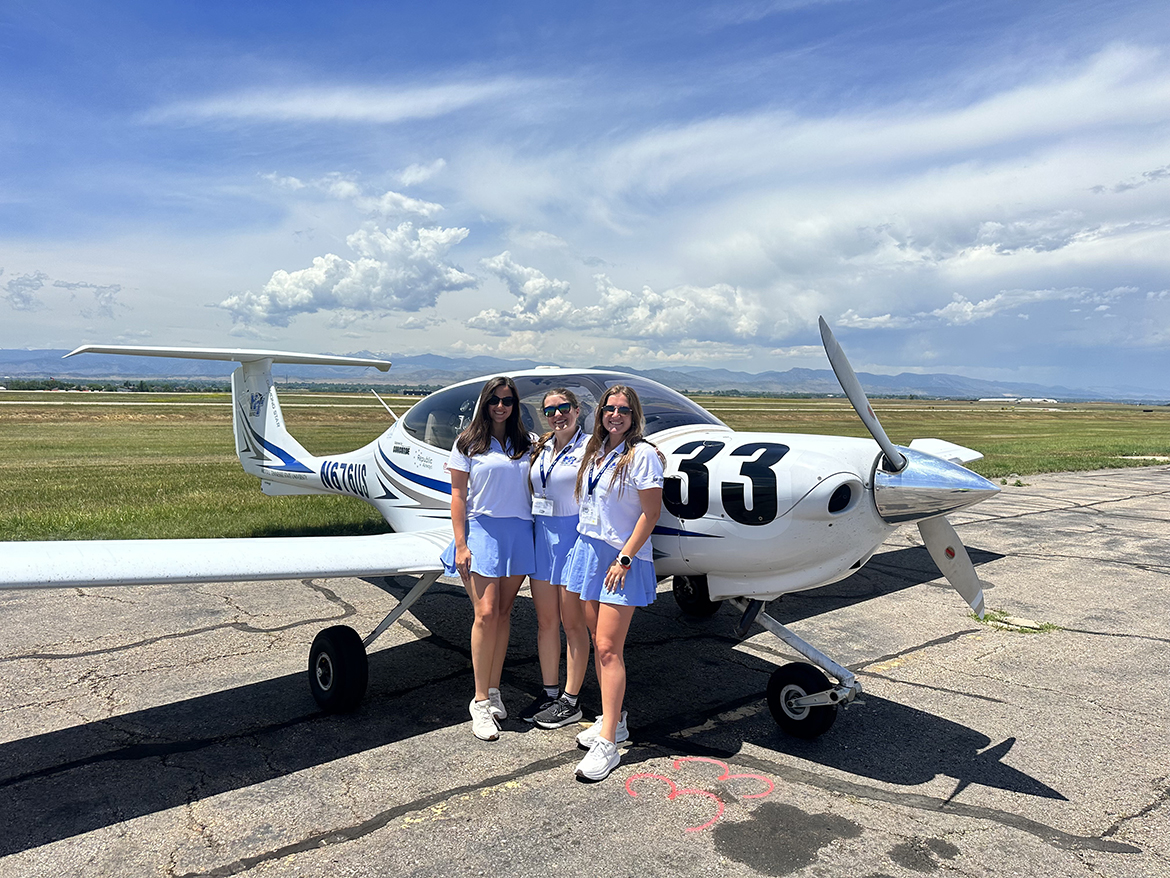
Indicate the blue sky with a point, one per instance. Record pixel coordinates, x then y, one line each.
981 189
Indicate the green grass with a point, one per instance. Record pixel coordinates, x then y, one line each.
103 466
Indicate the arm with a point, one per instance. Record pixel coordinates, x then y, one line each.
651 502
459 522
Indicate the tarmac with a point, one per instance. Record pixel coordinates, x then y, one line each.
169 730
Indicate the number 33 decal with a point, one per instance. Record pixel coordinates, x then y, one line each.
761 457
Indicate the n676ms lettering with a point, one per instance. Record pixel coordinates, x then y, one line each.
347 477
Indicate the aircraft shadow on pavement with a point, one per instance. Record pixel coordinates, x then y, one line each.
74 780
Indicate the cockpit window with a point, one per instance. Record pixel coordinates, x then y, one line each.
440 418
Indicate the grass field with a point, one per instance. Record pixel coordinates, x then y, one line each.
90 466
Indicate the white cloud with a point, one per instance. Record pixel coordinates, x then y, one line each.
389 204
105 297
354 104
22 291
414 174
400 269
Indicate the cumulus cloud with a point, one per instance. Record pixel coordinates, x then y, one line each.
402 269
717 313
22 291
1155 175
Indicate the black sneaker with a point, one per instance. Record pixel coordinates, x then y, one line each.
559 713
539 703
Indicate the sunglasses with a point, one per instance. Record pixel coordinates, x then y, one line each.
506 401
617 409
563 407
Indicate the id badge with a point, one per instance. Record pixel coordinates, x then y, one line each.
589 511
542 506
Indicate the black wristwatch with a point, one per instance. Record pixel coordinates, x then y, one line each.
625 561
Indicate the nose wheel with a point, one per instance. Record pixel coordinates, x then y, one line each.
789 690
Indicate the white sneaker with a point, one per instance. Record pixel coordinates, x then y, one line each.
497 705
483 724
587 738
602 758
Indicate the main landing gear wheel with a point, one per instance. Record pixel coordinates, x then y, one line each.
692 597
790 682
338 669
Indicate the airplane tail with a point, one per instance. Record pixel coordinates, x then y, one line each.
263 444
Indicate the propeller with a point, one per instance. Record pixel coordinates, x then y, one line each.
918 486
852 387
952 559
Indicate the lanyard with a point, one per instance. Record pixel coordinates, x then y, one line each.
613 455
569 446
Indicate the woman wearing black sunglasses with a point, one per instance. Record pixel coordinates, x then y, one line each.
552 475
611 567
491 515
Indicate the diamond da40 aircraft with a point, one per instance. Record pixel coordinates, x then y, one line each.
747 517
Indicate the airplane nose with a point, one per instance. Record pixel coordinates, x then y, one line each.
926 487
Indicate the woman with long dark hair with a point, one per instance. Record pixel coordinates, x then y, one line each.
491 516
552 475
611 568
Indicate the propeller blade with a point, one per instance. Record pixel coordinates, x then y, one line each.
952 559
852 387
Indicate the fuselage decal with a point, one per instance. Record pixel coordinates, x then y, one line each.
433 484
291 464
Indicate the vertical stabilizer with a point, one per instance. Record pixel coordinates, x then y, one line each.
265 447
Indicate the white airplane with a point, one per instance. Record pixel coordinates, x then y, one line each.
747 517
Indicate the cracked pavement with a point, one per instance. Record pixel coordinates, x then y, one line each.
169 730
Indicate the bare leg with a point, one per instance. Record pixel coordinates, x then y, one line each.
485 597
576 640
509 588
610 624
546 600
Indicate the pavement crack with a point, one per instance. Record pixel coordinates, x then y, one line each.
1120 822
380 820
243 627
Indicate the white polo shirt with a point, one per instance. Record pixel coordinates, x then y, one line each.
617 504
495 483
554 474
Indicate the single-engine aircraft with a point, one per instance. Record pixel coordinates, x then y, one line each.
747 517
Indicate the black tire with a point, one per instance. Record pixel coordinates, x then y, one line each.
338 669
692 597
795 681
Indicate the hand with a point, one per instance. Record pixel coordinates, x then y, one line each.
615 577
463 563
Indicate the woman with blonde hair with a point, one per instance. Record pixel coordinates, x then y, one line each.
491 516
611 567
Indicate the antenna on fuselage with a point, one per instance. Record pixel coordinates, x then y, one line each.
394 416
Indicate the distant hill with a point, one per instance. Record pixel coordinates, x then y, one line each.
435 369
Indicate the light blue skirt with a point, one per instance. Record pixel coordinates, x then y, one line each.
499 547
589 560
555 535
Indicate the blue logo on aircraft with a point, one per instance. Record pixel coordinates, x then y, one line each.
256 403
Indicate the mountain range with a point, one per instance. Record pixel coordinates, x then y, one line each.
433 370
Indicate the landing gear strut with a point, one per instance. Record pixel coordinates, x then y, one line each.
803 701
339 670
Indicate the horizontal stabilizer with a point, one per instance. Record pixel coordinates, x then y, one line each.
946 450
233 355
82 563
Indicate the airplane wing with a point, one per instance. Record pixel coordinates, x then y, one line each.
79 563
